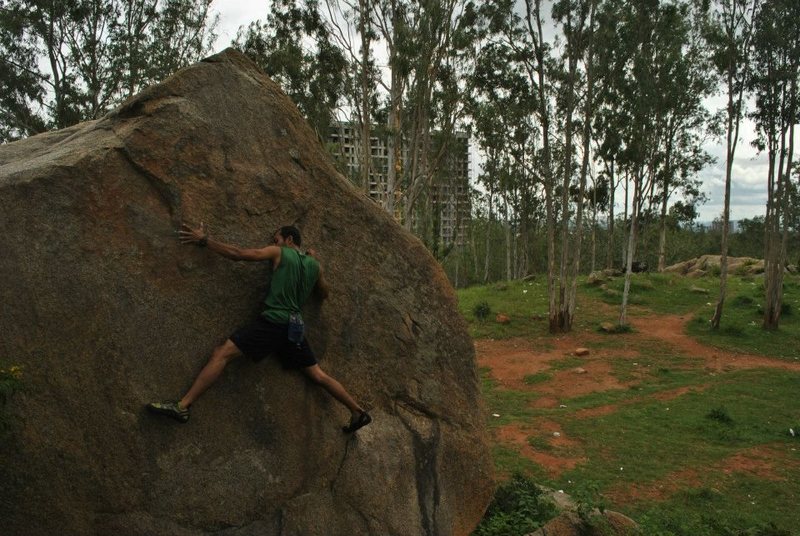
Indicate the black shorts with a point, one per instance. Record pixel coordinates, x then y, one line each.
261 337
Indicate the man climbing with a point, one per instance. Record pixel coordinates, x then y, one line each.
279 329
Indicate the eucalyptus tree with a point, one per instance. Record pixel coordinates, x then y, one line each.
609 118
730 37
776 67
351 26
72 60
487 105
441 45
685 79
22 85
391 20
637 87
523 34
651 122
295 47
182 33
577 20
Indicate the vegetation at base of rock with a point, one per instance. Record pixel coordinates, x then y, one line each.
10 382
519 507
680 447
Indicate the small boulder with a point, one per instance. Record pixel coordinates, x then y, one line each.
608 327
502 319
595 278
607 523
582 351
698 290
580 370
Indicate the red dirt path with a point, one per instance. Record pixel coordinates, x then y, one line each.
510 361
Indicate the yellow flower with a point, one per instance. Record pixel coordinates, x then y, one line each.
16 372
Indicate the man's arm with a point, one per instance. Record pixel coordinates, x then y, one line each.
321 288
199 236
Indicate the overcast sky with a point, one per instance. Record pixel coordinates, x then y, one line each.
748 190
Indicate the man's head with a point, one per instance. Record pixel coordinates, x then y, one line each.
288 235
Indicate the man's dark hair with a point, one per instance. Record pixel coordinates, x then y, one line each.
290 230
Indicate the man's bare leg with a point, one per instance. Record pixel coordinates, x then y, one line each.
336 389
220 357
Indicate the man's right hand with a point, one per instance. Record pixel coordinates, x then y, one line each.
190 235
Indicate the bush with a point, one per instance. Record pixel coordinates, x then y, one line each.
742 301
517 508
720 415
10 382
482 311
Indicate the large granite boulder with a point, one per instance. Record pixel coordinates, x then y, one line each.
105 311
700 266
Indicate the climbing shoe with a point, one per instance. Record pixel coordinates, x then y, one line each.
358 421
170 409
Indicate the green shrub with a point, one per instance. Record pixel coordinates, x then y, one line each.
720 415
482 311
742 301
732 330
10 382
517 508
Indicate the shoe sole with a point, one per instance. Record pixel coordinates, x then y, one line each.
158 411
362 421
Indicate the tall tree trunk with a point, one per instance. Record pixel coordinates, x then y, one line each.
780 216
637 180
662 232
612 193
533 16
366 134
734 120
594 224
569 309
488 236
625 220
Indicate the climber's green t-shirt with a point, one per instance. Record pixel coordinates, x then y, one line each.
291 285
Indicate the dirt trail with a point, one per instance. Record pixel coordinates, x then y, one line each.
671 329
511 361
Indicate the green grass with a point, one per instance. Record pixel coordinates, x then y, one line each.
525 303
659 293
740 328
539 377
677 450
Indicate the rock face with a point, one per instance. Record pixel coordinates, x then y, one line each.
701 265
607 523
106 311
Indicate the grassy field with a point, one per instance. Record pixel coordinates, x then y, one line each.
687 440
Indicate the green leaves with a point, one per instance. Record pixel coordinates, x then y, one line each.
72 60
